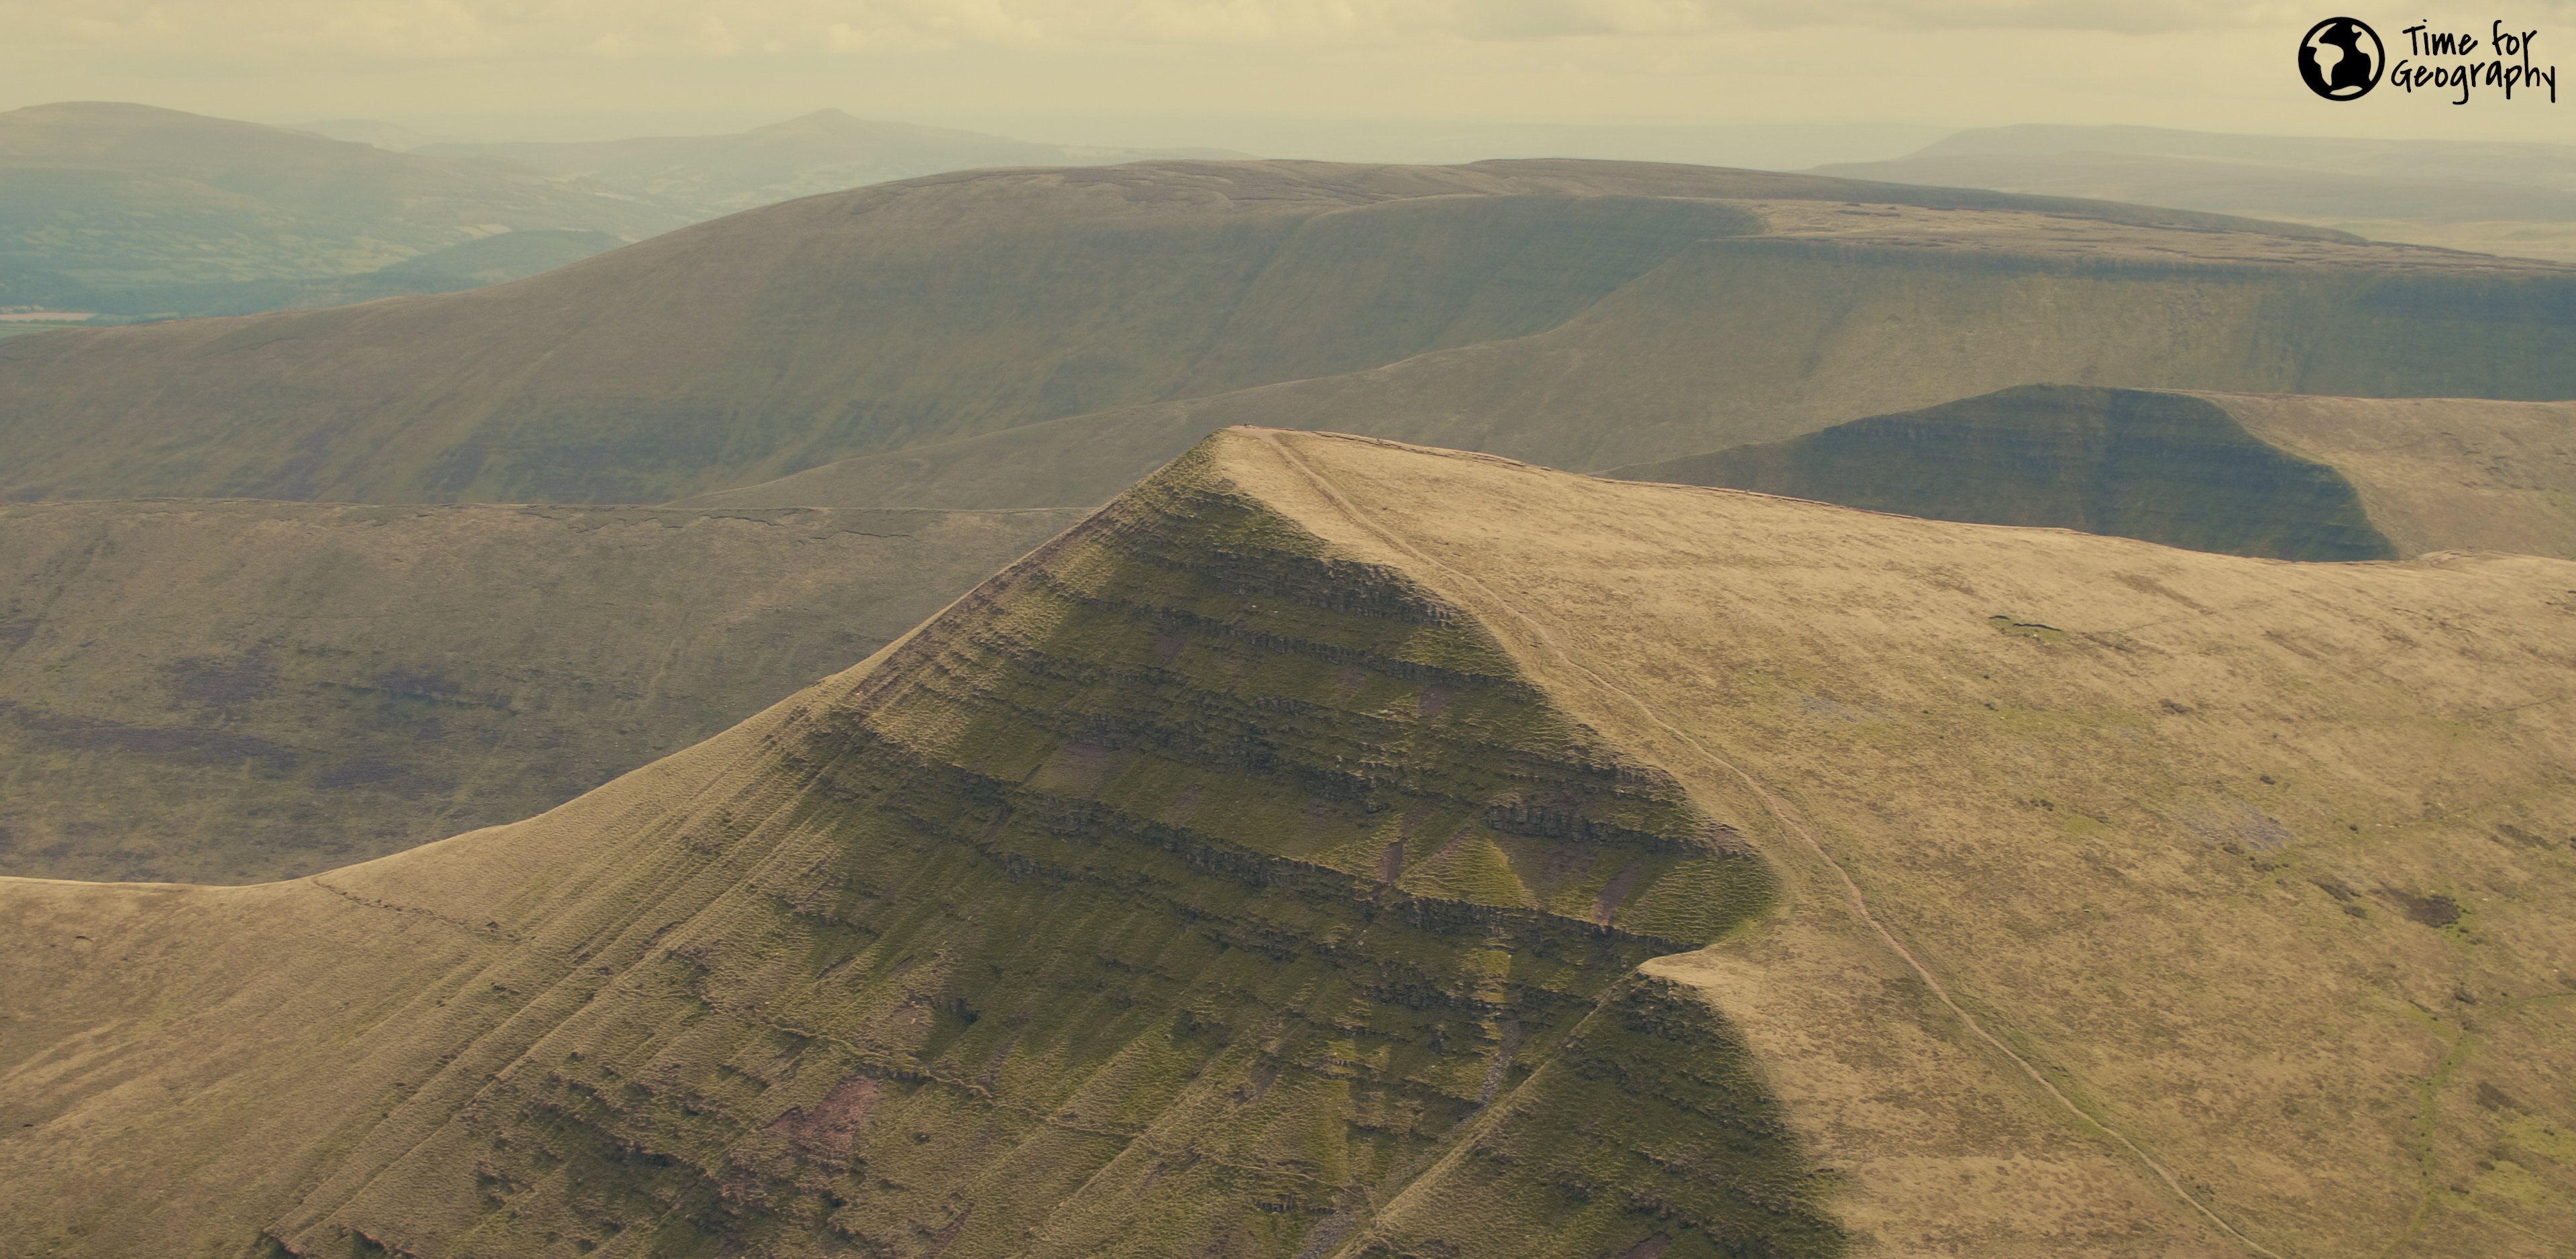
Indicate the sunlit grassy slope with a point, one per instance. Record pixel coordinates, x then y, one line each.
1311 855
1585 314
2290 477
227 692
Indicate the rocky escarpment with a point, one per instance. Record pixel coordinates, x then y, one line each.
1190 888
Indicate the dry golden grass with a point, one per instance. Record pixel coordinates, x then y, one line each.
2438 473
2138 901
2171 829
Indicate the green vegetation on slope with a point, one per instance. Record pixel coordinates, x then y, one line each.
222 692
1650 1109
2160 467
1189 889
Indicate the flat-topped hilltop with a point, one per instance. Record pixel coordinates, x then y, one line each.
2281 475
1341 848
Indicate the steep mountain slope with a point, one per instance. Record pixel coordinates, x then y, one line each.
1585 314
1243 874
225 692
2288 477
824 151
131 209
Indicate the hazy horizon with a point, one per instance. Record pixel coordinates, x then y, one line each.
1394 80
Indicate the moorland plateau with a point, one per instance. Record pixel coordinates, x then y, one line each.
1337 848
1044 337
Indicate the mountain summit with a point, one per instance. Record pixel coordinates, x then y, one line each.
1339 848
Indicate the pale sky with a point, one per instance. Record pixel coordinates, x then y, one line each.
1074 69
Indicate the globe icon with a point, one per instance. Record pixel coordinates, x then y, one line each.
2341 58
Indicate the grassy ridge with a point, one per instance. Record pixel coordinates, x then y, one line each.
1267 866
1190 892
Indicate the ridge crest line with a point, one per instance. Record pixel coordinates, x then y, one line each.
1779 810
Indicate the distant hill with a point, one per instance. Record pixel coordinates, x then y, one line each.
824 151
383 135
1586 315
1344 850
227 692
136 211
2290 477
2534 165
2517 199
128 209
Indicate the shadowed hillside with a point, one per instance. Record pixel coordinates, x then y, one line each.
1279 863
2290 477
2163 467
2437 473
223 692
1583 314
